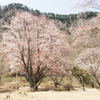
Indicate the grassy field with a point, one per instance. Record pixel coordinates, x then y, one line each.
46 92
22 94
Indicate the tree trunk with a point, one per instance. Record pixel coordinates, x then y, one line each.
33 85
31 82
0 79
26 78
92 84
98 82
56 84
96 79
83 87
33 89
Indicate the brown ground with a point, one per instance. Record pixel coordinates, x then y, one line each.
24 94
45 92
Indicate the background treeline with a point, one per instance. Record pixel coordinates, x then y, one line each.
68 19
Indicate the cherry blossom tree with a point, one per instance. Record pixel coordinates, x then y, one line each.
62 71
4 66
86 37
57 76
89 3
34 46
90 59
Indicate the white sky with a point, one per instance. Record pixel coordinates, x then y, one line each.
54 6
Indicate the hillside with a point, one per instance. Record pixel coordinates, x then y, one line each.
8 11
79 28
82 31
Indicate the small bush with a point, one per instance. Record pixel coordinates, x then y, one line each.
68 87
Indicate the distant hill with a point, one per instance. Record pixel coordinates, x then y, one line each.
9 10
78 27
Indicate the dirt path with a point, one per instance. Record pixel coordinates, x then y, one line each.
89 94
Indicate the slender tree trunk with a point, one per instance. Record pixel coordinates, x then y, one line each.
56 84
98 82
92 84
26 78
96 79
83 87
0 79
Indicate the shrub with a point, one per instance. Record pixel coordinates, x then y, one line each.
68 87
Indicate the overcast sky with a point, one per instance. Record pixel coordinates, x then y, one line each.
54 6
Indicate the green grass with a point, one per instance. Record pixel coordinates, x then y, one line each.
11 81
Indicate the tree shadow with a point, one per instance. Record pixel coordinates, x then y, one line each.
5 90
52 88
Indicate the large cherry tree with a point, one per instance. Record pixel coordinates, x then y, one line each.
34 46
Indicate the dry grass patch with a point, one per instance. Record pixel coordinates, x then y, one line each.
46 91
89 94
